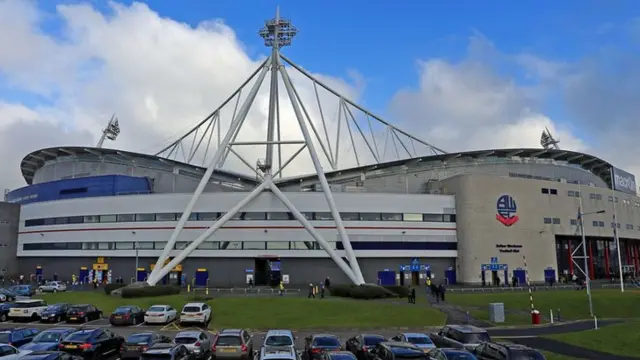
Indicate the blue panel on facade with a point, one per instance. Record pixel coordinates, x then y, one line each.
107 185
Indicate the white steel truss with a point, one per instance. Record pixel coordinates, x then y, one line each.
277 33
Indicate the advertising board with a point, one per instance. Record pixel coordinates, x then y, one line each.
623 181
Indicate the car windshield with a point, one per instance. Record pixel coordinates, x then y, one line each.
278 340
79 308
53 307
406 353
526 355
5 338
373 340
326 341
27 305
47 337
229 341
78 336
156 309
475 338
191 309
420 340
185 340
342 356
459 355
123 310
147 356
139 339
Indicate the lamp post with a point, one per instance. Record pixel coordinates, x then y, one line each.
587 277
135 245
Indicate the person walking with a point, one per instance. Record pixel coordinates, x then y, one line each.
413 295
312 294
441 291
322 286
281 288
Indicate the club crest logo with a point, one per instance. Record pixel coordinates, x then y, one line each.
506 208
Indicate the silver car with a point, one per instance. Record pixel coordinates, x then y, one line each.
198 342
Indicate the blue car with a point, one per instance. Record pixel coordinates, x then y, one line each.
420 340
17 337
47 340
23 290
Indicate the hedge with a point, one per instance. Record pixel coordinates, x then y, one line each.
149 291
110 287
362 292
401 291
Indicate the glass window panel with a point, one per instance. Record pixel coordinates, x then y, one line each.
76 219
92 219
450 217
547 220
166 217
277 245
411 217
124 246
231 245
237 216
350 216
108 218
105 246
431 217
192 217
126 217
145 217
145 245
279 216
89 246
391 217
323 216
254 245
59 246
209 245
159 245
62 220
50 221
180 245
208 216
74 246
308 215
255 216
370 216
299 245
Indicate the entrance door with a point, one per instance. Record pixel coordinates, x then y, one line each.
261 272
495 279
415 278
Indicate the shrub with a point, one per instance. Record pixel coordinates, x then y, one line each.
150 291
400 291
199 298
110 287
362 292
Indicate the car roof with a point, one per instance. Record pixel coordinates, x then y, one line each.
341 353
372 335
86 331
39 355
143 333
324 336
79 305
160 305
231 331
467 328
279 332
412 334
190 333
453 351
194 304
161 348
29 301
59 304
513 346
399 344
58 330
16 329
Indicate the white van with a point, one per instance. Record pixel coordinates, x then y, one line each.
27 309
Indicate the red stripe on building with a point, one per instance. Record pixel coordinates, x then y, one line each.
570 258
592 269
606 259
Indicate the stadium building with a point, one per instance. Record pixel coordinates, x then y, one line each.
466 217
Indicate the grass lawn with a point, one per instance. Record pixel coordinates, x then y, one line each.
620 339
573 304
278 312
510 319
554 356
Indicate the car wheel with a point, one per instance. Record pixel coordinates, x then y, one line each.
85 319
134 321
3 317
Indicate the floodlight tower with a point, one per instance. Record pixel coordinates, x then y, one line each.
110 132
276 33
548 141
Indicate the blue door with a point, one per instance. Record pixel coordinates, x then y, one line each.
83 276
521 276
386 278
39 273
201 278
141 274
550 275
450 276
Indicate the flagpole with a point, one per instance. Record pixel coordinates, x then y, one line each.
615 229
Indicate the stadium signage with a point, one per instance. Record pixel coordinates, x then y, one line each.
506 210
623 181
509 248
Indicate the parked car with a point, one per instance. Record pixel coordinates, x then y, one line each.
198 342
7 295
4 311
136 344
160 314
49 355
83 313
47 340
54 313
279 338
17 336
27 310
393 350
92 343
167 352
361 345
276 353
338 355
23 290
8 352
315 345
460 336
450 354
199 313
420 340
127 315
233 343
506 351
53 286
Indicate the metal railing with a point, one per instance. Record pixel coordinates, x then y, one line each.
512 289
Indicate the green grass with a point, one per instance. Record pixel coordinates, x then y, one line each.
279 312
554 356
573 304
510 319
619 339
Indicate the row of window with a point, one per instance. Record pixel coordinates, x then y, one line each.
213 216
594 223
592 196
243 245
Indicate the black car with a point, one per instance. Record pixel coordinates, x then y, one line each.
49 355
506 351
54 313
136 344
92 343
361 344
4 311
338 355
18 336
395 350
127 315
167 352
450 354
315 345
83 313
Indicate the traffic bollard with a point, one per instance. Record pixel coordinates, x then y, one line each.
558 315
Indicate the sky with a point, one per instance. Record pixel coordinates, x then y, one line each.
461 75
